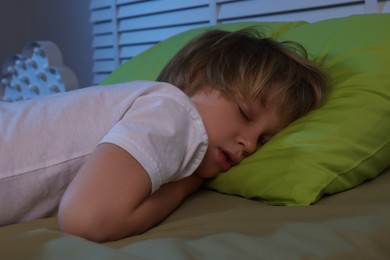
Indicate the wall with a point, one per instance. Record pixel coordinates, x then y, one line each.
65 22
12 26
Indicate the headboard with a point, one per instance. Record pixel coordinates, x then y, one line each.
124 28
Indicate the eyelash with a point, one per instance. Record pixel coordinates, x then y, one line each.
243 114
263 140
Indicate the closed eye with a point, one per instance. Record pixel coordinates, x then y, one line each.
244 114
263 139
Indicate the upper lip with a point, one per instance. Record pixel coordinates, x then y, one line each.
233 159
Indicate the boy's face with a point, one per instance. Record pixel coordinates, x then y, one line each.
235 129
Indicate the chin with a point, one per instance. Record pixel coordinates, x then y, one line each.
207 174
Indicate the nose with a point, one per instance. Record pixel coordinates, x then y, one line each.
248 143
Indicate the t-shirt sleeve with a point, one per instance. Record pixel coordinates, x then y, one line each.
165 135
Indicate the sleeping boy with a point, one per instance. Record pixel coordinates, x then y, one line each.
116 160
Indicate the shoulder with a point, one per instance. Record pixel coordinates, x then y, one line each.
141 87
165 108
152 97
164 132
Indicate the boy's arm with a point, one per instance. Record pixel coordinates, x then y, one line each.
109 198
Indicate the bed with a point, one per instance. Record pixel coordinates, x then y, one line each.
318 190
209 225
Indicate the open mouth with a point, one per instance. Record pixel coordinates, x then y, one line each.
226 160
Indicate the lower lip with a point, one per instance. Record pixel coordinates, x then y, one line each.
225 165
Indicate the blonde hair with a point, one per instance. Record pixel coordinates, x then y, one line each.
246 65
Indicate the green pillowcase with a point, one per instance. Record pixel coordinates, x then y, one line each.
332 149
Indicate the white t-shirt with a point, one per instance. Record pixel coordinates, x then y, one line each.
45 141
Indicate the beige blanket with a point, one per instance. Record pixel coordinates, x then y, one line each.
351 225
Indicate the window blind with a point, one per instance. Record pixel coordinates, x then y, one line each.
124 28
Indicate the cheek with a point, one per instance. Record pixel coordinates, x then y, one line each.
219 127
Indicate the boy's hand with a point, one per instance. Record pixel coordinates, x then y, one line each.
109 198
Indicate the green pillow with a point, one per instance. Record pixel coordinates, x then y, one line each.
332 149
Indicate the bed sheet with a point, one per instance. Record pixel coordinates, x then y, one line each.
354 224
